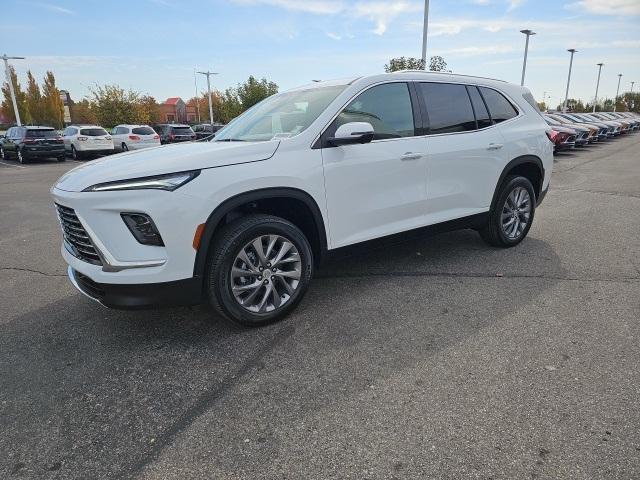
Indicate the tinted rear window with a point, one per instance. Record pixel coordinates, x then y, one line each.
499 107
182 130
480 109
448 108
42 133
93 132
143 131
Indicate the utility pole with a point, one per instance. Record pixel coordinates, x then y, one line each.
528 33
566 95
632 87
595 100
615 101
425 26
208 74
195 84
10 82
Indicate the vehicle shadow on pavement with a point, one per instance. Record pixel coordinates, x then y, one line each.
89 389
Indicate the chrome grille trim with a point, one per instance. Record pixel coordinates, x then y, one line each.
76 239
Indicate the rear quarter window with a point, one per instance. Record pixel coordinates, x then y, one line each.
500 108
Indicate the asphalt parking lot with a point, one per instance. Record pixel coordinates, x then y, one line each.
435 358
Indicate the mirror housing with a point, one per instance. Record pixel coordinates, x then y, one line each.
352 133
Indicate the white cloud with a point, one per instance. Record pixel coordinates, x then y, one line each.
513 4
334 36
318 7
54 8
610 7
479 50
382 13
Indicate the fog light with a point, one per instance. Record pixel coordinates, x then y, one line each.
143 228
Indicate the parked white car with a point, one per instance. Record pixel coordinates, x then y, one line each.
86 140
243 220
134 137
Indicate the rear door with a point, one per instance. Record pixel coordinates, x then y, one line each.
465 151
377 188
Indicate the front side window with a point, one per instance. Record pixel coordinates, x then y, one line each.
448 108
282 115
386 107
500 108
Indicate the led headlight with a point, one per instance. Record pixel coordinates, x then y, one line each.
167 182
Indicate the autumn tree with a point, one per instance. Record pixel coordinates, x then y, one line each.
33 99
147 110
81 112
52 104
113 105
21 100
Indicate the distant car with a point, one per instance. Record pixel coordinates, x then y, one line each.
582 133
206 130
603 129
134 137
174 133
563 138
85 140
26 143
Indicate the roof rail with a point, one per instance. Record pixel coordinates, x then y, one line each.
450 73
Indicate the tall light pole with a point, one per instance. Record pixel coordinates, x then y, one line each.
566 95
528 33
208 74
425 25
195 84
632 87
10 82
615 100
595 100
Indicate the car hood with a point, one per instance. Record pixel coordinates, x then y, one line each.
165 159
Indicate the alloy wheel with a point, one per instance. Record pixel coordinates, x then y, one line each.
266 273
20 157
1 154
516 213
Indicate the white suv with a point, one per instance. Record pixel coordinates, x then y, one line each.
242 221
134 137
84 140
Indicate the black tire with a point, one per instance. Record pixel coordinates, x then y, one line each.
20 157
76 155
226 245
124 147
493 232
2 154
62 158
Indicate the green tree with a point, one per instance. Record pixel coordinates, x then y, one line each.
21 100
147 110
33 99
81 112
542 106
230 105
438 64
113 105
52 105
404 63
254 91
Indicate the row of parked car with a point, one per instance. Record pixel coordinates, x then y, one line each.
82 141
570 130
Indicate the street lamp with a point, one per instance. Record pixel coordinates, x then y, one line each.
566 95
632 87
528 33
595 100
208 74
10 82
615 101
425 24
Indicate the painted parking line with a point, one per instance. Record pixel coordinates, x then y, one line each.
10 165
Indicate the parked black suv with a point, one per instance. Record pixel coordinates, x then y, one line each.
206 130
25 143
173 133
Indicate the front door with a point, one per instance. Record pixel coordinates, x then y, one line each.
377 188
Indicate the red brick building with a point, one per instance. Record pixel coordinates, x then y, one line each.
175 110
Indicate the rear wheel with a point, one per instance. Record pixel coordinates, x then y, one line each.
124 147
258 270
511 217
21 157
75 154
2 155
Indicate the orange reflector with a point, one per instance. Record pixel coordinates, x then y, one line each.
197 236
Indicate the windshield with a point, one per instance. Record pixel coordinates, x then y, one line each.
284 115
42 133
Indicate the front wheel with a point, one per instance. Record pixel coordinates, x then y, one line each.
124 147
2 154
21 157
511 217
258 269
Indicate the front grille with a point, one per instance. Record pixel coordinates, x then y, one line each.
572 138
76 237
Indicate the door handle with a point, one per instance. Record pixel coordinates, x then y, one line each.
411 156
495 146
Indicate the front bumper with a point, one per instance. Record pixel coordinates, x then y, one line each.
138 296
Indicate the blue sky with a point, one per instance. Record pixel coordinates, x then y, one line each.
152 46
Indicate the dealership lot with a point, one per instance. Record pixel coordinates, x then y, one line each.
438 357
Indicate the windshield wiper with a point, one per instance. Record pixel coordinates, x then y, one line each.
231 140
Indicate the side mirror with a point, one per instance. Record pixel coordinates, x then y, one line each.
351 133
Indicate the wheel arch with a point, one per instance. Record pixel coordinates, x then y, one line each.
308 217
530 167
